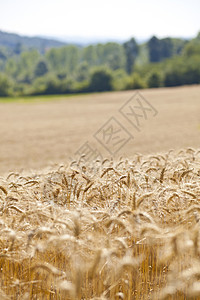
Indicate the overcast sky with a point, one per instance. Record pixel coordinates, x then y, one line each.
119 19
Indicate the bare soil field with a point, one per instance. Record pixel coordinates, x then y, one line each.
38 133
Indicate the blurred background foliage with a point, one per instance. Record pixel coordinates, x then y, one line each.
36 69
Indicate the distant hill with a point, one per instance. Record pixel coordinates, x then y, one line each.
17 42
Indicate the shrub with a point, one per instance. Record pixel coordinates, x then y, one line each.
120 80
154 79
101 80
136 82
46 85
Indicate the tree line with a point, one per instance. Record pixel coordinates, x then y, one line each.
100 67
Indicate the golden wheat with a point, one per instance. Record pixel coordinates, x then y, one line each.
116 229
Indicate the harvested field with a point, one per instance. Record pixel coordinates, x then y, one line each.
35 134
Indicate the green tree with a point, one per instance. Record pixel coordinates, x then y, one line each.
63 59
154 49
120 80
62 75
131 51
173 78
89 55
48 85
154 79
191 49
136 82
27 60
11 67
41 68
101 80
112 55
3 54
22 68
160 49
178 45
181 71
5 85
82 72
18 48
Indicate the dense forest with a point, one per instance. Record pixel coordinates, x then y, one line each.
36 67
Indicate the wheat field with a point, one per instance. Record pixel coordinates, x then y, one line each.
113 229
122 227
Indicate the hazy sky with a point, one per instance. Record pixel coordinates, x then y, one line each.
106 18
